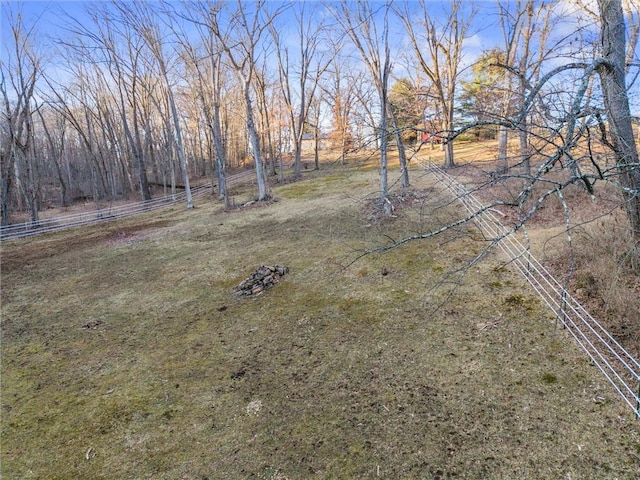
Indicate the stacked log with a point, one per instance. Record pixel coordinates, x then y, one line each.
263 278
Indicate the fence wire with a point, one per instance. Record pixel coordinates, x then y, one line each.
64 222
618 366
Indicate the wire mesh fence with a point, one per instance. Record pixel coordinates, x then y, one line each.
618 366
64 222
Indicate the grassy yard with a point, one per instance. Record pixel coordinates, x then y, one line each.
127 355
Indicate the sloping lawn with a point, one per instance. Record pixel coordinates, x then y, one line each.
127 355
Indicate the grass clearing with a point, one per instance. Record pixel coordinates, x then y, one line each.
126 354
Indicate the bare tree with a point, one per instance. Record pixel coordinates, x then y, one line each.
140 18
437 47
210 80
315 114
19 74
359 23
526 27
311 65
340 87
55 140
110 63
620 139
397 133
240 40
264 87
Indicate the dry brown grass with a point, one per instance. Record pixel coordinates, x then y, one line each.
126 354
601 262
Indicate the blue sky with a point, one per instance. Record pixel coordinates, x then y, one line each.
51 16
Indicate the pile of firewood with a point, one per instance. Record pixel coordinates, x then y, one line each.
264 277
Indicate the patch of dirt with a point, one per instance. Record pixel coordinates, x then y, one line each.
128 237
31 250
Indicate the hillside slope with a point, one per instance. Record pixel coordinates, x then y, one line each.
127 354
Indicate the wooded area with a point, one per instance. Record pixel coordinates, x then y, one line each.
135 99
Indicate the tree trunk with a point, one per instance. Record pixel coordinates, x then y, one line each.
297 153
503 159
523 126
255 143
28 178
280 164
139 157
316 148
384 187
524 146
448 154
404 172
178 140
7 183
220 155
448 128
616 101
